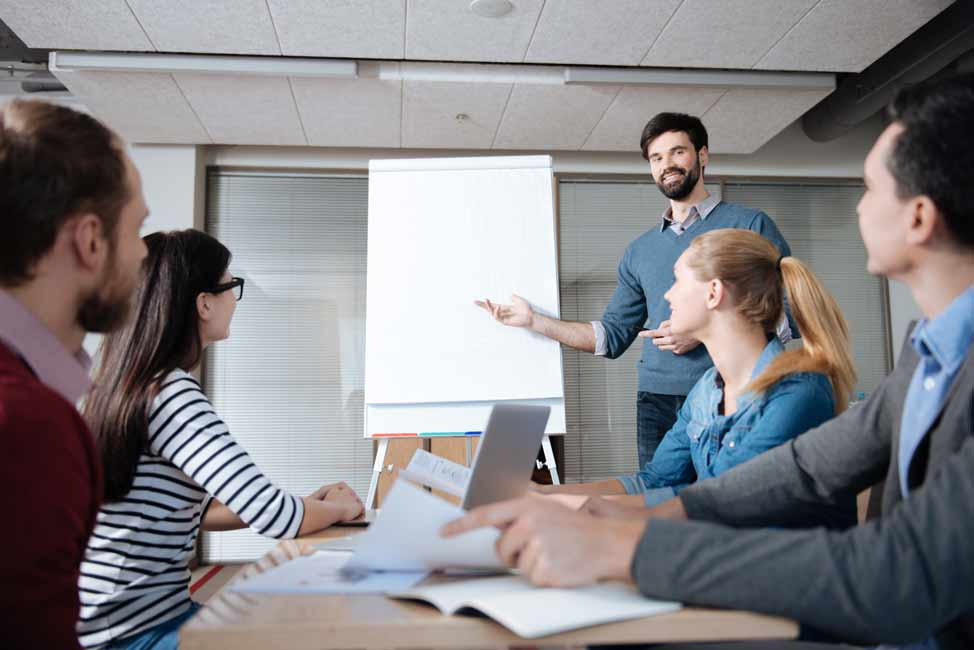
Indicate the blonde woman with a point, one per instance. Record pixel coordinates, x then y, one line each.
729 293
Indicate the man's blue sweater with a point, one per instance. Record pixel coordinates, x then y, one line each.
645 274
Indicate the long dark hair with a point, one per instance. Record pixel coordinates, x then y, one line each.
162 335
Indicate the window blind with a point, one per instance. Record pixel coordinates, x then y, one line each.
289 381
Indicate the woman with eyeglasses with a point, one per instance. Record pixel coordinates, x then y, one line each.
171 466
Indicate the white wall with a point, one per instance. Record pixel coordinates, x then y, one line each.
172 181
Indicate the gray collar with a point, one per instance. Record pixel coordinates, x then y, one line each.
701 210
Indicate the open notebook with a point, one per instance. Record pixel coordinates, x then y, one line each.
532 612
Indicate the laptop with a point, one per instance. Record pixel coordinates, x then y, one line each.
505 459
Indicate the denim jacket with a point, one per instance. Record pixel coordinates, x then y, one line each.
703 444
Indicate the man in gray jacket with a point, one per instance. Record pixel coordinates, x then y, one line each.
905 578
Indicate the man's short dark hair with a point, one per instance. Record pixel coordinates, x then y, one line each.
663 122
934 155
55 163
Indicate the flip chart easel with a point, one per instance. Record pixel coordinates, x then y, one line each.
442 233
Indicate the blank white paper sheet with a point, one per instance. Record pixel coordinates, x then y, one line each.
443 233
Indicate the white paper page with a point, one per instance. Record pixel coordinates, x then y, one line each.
406 536
531 611
449 597
322 573
439 238
456 416
436 472
531 614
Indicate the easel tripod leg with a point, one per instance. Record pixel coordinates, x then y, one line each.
549 459
380 458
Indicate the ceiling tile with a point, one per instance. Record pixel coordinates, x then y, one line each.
446 30
244 110
598 32
848 35
620 127
75 24
709 34
349 113
368 29
552 117
744 119
430 114
215 26
141 106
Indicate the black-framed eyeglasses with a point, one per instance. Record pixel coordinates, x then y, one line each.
235 283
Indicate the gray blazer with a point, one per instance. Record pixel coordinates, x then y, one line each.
896 579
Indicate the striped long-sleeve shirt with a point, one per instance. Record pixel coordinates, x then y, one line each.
135 573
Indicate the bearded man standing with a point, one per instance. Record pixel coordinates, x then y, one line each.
71 207
675 145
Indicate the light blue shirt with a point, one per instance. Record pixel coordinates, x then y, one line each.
942 344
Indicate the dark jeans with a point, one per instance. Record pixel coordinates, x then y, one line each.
655 415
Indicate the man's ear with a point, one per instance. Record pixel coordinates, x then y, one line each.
703 156
926 222
203 309
89 241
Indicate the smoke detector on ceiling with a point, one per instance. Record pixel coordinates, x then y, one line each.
491 8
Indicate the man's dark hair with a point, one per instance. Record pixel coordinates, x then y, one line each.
934 155
664 122
55 163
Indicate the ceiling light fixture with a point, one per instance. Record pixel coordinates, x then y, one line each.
700 78
437 72
491 8
203 63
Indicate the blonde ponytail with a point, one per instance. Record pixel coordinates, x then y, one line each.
758 279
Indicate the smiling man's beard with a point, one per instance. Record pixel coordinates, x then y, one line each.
680 190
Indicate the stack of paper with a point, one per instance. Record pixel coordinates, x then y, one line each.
404 544
325 572
406 536
531 611
437 473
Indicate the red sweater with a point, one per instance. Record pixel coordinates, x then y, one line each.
50 491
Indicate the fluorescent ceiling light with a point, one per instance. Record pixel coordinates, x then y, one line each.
522 74
500 73
712 78
203 63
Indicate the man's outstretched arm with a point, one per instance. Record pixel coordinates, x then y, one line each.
519 313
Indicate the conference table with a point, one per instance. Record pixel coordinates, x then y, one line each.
238 621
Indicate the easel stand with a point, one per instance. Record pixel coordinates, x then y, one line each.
380 458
